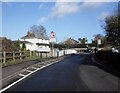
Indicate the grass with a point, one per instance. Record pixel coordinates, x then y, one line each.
18 61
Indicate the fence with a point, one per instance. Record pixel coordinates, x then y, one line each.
21 55
7 56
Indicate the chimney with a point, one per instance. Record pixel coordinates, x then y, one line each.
28 34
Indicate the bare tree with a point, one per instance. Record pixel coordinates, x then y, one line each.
39 31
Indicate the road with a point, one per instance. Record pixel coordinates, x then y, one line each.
75 73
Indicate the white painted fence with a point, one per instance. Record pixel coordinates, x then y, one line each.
63 52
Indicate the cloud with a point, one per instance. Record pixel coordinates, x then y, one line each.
60 9
63 8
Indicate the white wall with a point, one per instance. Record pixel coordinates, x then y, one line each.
67 51
30 47
33 46
35 40
61 52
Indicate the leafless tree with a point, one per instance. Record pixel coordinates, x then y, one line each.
39 31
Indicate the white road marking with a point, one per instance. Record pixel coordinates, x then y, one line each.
25 76
12 75
29 71
21 74
35 68
14 83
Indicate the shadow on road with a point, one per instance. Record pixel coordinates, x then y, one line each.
90 62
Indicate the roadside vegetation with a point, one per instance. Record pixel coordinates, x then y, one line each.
11 62
112 41
12 53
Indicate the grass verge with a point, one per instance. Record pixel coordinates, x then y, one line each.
18 61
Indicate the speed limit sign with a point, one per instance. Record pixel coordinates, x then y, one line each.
52 34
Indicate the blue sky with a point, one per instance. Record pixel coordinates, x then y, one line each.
75 20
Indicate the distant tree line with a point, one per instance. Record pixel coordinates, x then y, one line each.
68 46
82 40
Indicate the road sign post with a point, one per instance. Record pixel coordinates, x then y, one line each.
52 49
52 40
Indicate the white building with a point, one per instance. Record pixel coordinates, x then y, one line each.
35 44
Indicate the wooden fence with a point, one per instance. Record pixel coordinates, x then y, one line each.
7 56
21 55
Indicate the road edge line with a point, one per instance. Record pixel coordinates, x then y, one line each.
12 84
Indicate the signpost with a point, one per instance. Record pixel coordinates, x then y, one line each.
52 40
52 34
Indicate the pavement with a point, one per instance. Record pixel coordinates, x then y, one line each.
75 73
6 71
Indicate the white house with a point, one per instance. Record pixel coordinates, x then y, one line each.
42 46
35 44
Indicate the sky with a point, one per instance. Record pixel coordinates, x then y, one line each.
66 19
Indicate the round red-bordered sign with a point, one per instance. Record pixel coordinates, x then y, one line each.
52 34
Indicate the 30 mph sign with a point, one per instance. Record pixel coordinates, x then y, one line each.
52 34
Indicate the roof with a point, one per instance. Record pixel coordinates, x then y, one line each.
70 41
26 42
41 44
32 35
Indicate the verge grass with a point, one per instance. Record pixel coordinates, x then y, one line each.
18 61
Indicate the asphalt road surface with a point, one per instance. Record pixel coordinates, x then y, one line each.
75 73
